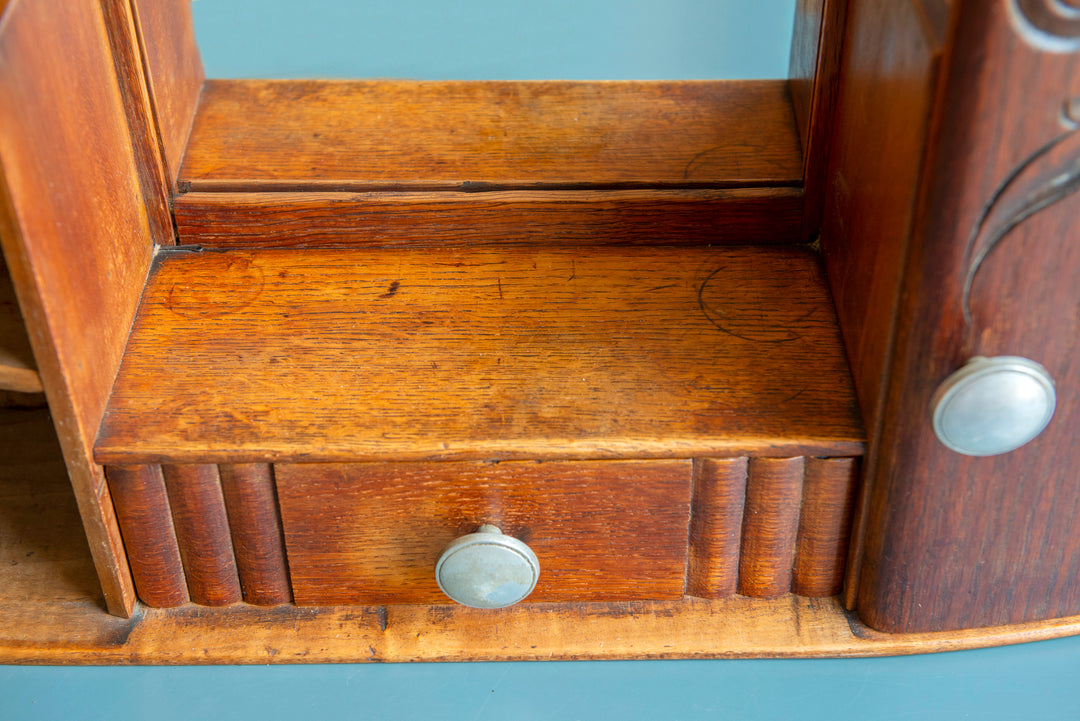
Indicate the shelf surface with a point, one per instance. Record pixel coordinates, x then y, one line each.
325 355
252 135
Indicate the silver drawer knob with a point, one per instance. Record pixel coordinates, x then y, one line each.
993 405
487 569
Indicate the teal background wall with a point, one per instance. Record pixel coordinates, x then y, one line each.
511 39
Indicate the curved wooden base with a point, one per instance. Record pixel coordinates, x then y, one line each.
51 610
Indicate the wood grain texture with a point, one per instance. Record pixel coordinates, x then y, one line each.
18 371
255 525
400 135
62 116
174 73
716 527
511 354
439 219
1002 528
372 533
824 526
202 532
142 509
770 525
50 608
814 78
145 139
889 66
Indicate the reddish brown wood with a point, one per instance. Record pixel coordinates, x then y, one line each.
556 217
400 135
770 525
142 509
146 143
814 74
174 73
824 526
202 531
74 230
340 355
716 527
372 533
255 525
955 541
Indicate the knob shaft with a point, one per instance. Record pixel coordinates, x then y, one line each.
993 405
487 569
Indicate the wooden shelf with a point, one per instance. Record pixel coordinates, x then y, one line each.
483 355
51 610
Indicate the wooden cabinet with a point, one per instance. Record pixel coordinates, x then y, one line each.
680 337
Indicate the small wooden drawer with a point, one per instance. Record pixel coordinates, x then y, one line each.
372 532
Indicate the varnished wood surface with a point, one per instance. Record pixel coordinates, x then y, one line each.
51 610
814 79
18 371
716 527
517 353
142 510
369 135
439 219
824 526
202 533
889 68
174 73
372 533
770 525
255 524
1003 528
71 190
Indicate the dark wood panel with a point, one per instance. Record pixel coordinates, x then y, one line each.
716 527
372 533
142 509
202 531
957 541
814 79
401 135
255 525
824 526
582 217
71 189
494 354
770 525
174 73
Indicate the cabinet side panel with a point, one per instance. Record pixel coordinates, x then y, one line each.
75 231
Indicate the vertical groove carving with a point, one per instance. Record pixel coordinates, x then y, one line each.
770 526
142 510
202 529
824 526
255 525
716 527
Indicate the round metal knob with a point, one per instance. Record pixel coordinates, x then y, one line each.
487 569
993 405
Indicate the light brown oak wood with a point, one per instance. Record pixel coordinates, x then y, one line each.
255 525
51 609
370 135
716 527
372 533
770 524
440 219
63 118
510 354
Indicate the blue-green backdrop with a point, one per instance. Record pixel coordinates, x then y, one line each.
515 39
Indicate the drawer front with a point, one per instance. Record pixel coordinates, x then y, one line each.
372 532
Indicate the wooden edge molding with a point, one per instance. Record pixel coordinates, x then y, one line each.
737 627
